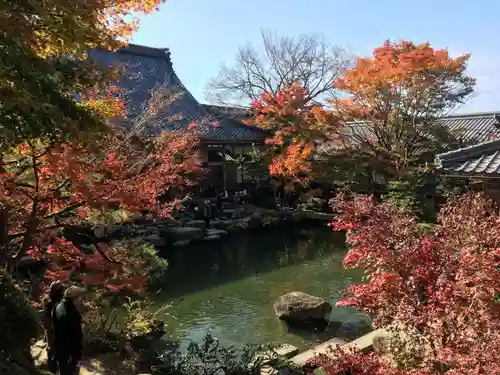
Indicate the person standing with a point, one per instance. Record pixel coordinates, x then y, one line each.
68 332
219 205
207 212
53 297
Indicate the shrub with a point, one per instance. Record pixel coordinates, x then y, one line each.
211 358
18 327
112 319
116 314
441 282
416 193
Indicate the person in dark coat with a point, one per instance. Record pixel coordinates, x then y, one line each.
68 333
53 297
219 205
207 212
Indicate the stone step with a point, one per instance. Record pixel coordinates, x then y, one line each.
364 343
285 351
304 357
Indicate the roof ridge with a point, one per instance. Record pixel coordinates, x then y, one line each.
472 114
138 49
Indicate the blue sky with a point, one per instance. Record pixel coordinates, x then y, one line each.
203 34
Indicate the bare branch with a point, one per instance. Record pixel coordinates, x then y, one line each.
307 59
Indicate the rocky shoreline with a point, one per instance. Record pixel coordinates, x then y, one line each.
183 232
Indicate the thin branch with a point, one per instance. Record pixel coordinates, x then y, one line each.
307 59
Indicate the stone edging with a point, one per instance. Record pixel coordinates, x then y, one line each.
363 343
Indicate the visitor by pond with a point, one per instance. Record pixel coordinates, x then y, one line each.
51 300
68 332
207 212
219 205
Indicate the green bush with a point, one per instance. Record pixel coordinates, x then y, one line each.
18 327
415 192
211 358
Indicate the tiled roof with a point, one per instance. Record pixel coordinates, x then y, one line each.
467 129
235 113
474 127
481 159
147 68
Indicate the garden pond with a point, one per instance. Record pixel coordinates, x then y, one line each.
228 287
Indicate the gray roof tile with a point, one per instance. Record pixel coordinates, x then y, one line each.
467 129
474 127
235 113
145 69
481 159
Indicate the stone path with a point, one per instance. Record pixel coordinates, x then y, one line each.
105 365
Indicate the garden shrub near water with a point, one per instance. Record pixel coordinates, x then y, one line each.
18 327
415 193
438 282
115 315
211 358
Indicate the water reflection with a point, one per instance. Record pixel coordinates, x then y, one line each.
228 287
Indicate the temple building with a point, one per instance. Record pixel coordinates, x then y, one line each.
149 80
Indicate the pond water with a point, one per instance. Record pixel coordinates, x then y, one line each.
227 288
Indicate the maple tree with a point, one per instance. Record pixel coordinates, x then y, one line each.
441 282
291 116
351 361
43 63
295 125
47 184
392 102
46 187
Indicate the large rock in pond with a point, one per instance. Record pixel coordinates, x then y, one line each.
301 307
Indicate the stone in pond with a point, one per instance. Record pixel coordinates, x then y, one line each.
301 307
211 238
181 243
220 224
216 232
185 233
196 224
